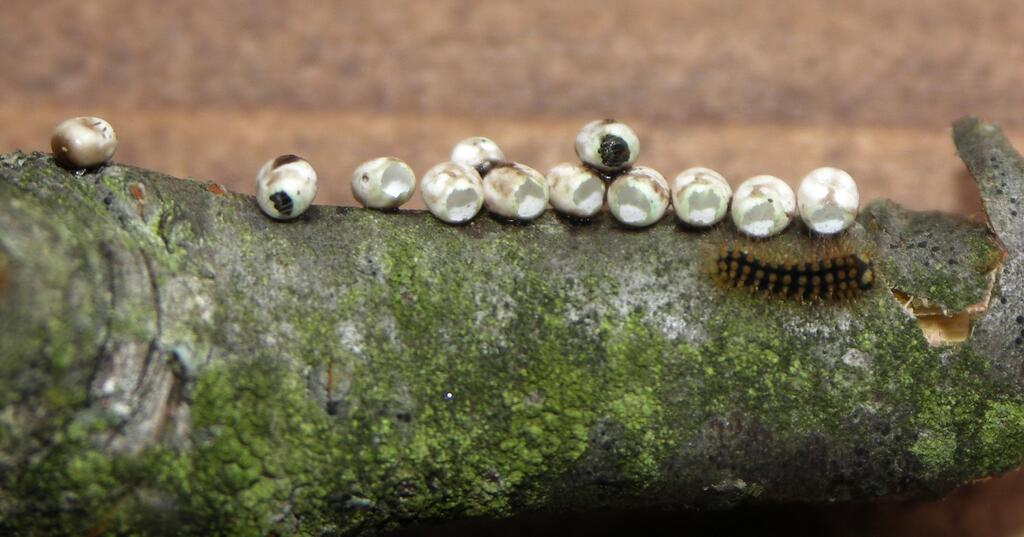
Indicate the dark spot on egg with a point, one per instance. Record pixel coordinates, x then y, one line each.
282 203
285 159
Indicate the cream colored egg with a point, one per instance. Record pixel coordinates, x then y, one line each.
639 197
576 190
83 142
607 145
477 152
763 206
700 197
829 200
515 191
453 192
285 187
383 183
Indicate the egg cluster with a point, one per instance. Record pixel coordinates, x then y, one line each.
478 175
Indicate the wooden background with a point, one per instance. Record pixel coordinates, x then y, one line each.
210 90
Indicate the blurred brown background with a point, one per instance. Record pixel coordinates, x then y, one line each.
210 90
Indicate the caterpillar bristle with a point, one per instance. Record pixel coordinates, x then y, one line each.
839 277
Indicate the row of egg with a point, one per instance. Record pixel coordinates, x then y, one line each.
478 175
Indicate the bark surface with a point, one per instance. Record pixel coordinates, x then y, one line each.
174 362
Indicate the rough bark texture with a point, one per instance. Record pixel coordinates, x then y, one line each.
172 361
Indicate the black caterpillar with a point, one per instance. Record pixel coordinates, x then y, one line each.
838 277
614 151
282 202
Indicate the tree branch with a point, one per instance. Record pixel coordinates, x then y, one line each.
171 361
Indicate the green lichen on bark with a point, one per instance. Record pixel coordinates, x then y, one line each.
181 364
938 244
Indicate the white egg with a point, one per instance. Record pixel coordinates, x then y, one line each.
477 152
576 190
285 187
700 197
383 183
607 145
829 200
639 197
453 192
515 191
763 206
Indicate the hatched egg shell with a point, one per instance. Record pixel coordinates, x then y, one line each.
829 200
575 190
639 197
477 152
515 191
383 183
700 197
452 192
762 206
